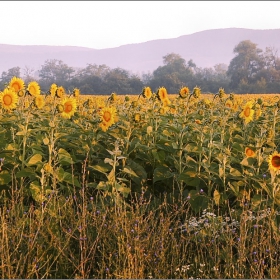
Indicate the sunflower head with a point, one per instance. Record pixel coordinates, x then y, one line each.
40 101
33 88
184 92
221 93
60 92
247 113
52 90
69 107
9 99
113 97
137 117
147 92
17 84
196 92
107 117
274 162
162 93
229 104
249 152
76 92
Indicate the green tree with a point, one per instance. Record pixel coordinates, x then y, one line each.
174 74
7 76
55 71
245 65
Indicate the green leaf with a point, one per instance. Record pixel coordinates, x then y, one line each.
162 173
34 160
5 177
64 157
199 202
101 167
129 171
190 178
26 172
249 161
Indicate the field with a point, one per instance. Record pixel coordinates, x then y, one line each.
139 186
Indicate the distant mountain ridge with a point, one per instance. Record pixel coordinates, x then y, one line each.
206 49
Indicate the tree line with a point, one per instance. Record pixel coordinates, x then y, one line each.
252 70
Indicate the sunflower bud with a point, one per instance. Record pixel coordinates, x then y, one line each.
126 98
260 102
231 96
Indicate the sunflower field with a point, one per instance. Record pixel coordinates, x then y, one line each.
154 185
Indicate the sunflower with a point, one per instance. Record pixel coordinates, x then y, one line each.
39 101
17 84
166 102
162 93
60 92
76 92
137 117
147 92
69 107
258 113
184 92
53 89
196 92
33 88
247 113
274 162
229 104
107 117
9 98
249 152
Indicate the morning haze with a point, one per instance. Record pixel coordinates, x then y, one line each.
205 48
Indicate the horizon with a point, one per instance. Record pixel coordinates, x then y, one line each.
72 46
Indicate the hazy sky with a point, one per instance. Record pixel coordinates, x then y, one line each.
108 24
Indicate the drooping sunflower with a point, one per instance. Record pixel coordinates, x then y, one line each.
184 92
53 89
274 162
249 152
33 88
60 92
248 113
162 93
147 92
107 117
69 107
17 84
40 101
9 99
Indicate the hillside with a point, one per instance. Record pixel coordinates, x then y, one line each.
205 48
